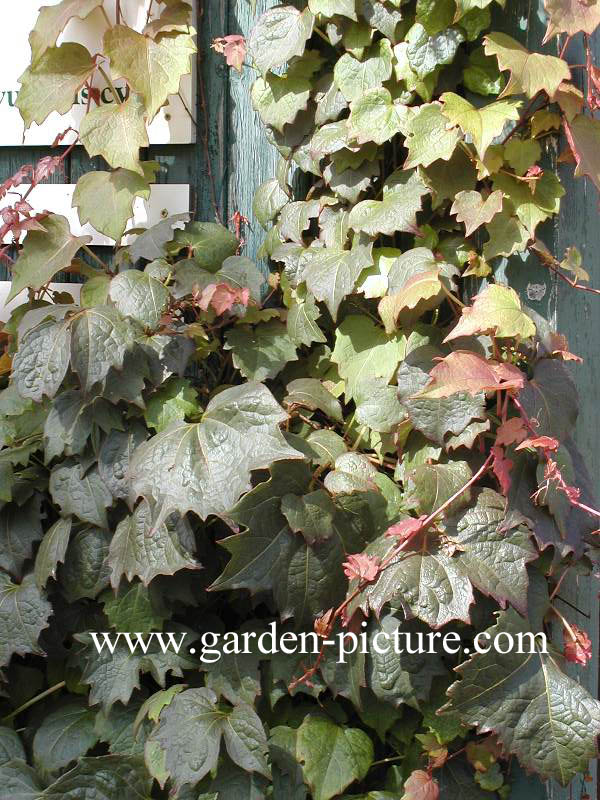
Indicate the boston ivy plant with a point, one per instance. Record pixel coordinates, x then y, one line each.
378 436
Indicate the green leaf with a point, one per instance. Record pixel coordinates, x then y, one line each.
332 757
103 778
530 704
68 425
137 549
279 34
434 484
482 124
583 135
52 20
278 99
151 243
301 323
20 529
268 201
531 209
363 352
114 457
330 274
353 473
64 735
426 583
310 514
428 137
85 571
354 77
139 296
474 211
399 678
402 198
167 468
435 15
24 613
52 551
174 401
551 397
52 82
522 154
44 254
377 405
11 747
41 362
116 132
530 73
101 338
507 234
493 556
426 53
105 199
381 17
375 118
194 716
325 446
332 8
497 309
114 676
84 496
19 781
260 352
132 609
116 728
481 75
310 393
152 67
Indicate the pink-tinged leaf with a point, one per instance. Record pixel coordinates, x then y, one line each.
544 442
559 347
512 431
361 567
420 786
465 371
46 167
583 135
496 310
578 650
571 17
406 528
222 296
501 467
233 47
472 209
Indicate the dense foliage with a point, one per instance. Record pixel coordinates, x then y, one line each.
378 436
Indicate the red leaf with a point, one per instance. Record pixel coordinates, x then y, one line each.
464 371
511 432
420 786
222 296
362 567
545 442
578 650
233 47
405 528
45 167
501 467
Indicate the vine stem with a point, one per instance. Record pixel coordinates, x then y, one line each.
33 701
110 84
93 255
525 417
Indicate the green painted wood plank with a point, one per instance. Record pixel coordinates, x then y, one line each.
252 159
575 315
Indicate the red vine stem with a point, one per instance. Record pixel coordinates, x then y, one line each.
561 482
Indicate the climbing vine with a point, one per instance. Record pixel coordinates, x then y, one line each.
377 436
